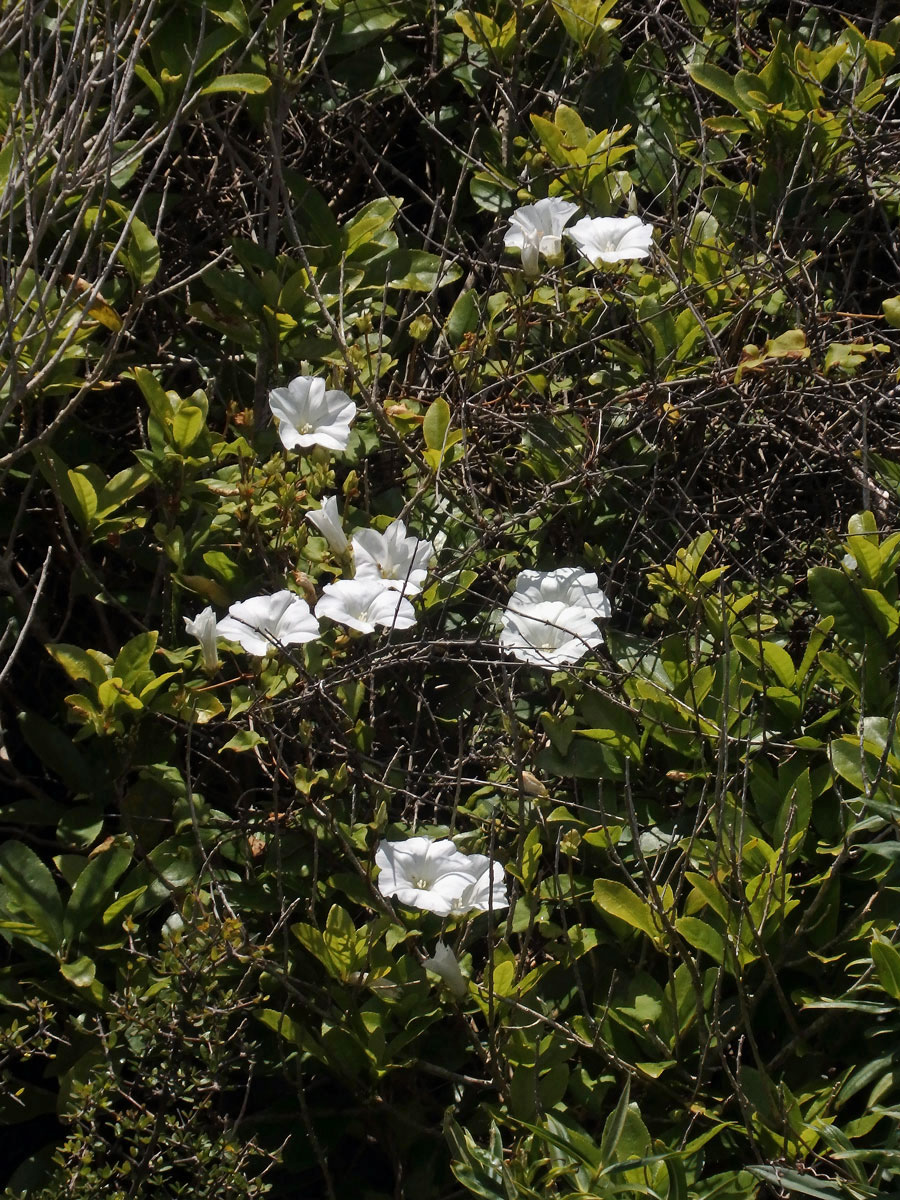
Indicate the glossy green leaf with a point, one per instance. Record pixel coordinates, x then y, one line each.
702 937
142 258
620 901
81 973
436 424
187 425
836 596
245 83
243 740
886 958
32 889
93 889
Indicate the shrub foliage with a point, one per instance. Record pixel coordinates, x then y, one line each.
693 992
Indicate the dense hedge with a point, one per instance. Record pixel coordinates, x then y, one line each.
686 984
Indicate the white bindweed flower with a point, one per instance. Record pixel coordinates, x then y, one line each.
173 926
570 585
549 634
204 627
400 562
263 622
364 603
611 239
536 229
327 520
437 877
308 415
445 963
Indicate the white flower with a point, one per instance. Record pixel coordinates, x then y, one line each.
549 634
570 585
444 963
173 926
203 628
364 603
308 415
265 621
610 239
537 229
401 562
439 878
327 520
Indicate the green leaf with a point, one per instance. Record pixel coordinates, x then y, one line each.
583 20
785 1180
702 937
419 271
768 654
614 726
859 767
620 901
153 392
122 487
436 424
886 958
187 425
93 889
80 973
891 308
31 888
60 755
291 1030
79 827
142 257
6 162
340 941
531 857
313 214
464 317
85 499
366 231
150 82
113 914
244 740
60 479
78 663
246 83
885 617
231 12
615 1124
836 596
133 660
715 80
223 566
361 20
795 811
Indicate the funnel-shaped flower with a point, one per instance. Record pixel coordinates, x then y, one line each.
444 963
437 877
308 415
204 628
537 229
263 622
611 239
364 603
549 634
327 520
400 562
570 585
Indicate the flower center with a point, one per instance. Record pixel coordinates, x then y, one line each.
421 884
305 428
